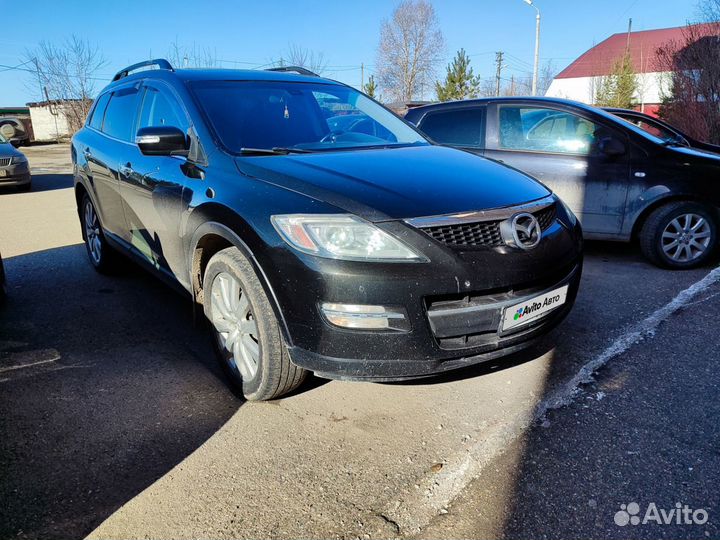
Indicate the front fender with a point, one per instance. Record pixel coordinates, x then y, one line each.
229 226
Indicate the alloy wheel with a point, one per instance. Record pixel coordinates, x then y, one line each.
686 238
92 233
235 325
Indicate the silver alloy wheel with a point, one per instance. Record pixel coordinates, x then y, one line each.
686 238
235 325
92 233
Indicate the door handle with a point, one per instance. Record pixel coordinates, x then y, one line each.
87 153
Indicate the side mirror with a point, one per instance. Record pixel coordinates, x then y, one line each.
162 141
611 147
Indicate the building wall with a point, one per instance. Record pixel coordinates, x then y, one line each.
46 125
650 88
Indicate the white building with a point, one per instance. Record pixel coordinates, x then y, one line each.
49 122
580 79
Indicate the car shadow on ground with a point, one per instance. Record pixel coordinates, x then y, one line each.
51 181
42 182
106 384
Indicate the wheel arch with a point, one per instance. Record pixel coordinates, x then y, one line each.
667 199
80 191
215 235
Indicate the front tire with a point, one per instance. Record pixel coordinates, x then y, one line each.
679 235
247 335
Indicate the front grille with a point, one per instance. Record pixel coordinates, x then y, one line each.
482 233
461 321
546 216
4 162
468 234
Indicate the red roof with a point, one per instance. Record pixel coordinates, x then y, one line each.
599 60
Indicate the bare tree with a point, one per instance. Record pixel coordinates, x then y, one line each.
691 97
709 10
546 77
411 46
183 56
487 87
67 74
305 58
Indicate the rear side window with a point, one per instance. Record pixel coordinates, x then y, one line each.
120 114
159 109
98 114
460 127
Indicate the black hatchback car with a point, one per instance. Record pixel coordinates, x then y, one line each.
662 130
622 182
362 253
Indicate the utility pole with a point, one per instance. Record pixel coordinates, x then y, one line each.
537 46
627 45
499 62
362 77
537 54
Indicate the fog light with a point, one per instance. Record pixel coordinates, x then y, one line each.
364 317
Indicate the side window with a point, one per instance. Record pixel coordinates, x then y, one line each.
120 114
654 129
96 120
545 130
159 109
461 127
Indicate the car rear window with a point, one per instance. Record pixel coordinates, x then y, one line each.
460 127
98 113
120 114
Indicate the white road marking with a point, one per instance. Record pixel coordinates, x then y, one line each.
415 509
31 364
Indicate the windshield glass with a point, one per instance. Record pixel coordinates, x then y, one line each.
301 116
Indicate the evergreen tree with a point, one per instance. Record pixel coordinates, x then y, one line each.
370 87
460 83
619 87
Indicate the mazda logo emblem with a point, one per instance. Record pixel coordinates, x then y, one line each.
522 231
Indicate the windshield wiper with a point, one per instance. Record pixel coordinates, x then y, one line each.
275 151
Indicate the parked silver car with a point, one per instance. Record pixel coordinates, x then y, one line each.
14 167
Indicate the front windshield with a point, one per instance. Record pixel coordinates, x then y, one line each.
298 116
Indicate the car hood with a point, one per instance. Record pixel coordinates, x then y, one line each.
397 183
706 156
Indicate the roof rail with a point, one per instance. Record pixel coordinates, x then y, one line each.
161 63
297 69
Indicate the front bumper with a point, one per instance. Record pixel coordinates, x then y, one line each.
15 175
453 303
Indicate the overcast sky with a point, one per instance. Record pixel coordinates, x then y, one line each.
249 34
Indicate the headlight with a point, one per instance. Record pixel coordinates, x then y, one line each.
568 212
342 237
18 159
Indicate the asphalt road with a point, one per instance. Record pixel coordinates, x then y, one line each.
116 421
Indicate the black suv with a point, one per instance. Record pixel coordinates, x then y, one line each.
359 252
622 182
